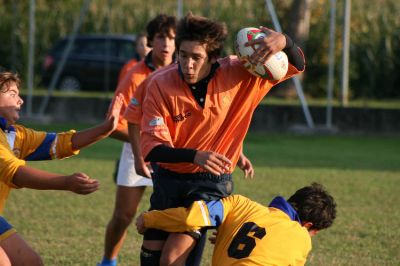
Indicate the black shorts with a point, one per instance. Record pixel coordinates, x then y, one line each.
171 190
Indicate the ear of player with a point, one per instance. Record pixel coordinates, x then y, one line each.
274 68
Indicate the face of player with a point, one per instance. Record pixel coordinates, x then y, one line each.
141 47
163 49
194 61
313 232
10 104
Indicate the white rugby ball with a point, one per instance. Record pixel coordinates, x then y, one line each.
274 68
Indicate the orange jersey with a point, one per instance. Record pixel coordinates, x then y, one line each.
133 113
125 69
128 86
171 115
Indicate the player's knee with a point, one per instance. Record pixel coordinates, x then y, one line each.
171 258
123 219
149 257
167 260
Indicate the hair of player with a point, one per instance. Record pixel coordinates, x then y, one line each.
7 79
203 30
160 24
314 204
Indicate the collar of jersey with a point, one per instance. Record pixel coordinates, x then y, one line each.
281 204
148 60
3 125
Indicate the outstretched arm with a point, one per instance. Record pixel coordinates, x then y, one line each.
29 177
89 136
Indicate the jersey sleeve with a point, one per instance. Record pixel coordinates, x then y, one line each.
9 164
155 120
39 145
200 214
133 113
125 69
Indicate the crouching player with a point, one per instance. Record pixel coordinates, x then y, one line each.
250 233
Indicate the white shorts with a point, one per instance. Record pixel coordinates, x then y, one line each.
127 175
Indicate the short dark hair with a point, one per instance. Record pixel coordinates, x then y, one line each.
6 79
314 204
203 30
160 24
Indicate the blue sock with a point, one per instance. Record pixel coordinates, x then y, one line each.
108 262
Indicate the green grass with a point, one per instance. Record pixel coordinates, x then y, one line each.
363 174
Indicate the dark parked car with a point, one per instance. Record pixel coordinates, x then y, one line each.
93 63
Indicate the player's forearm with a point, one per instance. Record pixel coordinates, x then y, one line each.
295 56
89 136
134 139
120 134
166 154
29 177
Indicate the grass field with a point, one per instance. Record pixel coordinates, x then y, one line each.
362 173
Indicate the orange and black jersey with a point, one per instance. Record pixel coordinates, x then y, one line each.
173 117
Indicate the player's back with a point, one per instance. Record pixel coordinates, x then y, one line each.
252 234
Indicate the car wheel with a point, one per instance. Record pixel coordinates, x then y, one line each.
70 83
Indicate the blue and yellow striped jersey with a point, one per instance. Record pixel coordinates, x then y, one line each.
19 144
248 233
6 229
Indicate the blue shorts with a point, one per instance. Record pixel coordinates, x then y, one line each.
6 229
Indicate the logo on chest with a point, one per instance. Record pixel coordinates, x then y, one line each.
181 117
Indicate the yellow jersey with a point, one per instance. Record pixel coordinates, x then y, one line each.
248 232
19 144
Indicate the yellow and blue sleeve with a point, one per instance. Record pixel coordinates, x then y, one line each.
6 229
37 145
200 214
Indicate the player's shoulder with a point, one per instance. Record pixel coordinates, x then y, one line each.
229 61
230 65
23 132
21 128
165 75
167 70
139 69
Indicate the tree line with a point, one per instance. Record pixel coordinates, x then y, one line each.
374 50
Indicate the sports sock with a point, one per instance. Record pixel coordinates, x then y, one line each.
108 262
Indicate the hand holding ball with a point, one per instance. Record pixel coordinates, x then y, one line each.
274 68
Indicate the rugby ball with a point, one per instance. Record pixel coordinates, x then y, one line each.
274 68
